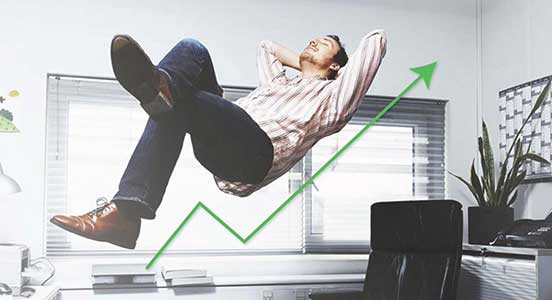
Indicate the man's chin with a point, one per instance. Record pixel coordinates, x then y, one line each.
305 56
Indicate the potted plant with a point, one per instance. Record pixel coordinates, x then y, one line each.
496 192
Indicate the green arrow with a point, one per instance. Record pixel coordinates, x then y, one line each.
424 72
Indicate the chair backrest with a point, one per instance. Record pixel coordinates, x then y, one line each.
416 250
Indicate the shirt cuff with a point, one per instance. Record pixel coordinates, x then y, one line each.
268 46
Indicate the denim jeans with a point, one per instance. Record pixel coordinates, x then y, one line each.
225 139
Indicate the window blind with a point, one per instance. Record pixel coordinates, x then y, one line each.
93 126
401 157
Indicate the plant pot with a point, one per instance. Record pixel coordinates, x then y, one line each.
485 222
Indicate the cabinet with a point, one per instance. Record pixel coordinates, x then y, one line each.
505 273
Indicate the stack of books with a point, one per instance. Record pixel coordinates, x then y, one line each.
186 277
122 275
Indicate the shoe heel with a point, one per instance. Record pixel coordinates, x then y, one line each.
124 244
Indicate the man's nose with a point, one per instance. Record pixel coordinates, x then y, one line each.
312 43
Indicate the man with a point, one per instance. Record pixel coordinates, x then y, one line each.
245 145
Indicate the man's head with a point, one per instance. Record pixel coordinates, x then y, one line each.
324 55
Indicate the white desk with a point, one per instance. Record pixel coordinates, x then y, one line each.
278 278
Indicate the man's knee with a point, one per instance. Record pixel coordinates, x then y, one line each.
194 44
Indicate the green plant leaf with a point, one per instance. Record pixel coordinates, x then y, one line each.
504 181
517 181
516 166
485 176
500 184
535 157
482 156
513 199
489 157
514 172
519 149
540 100
472 190
490 201
476 184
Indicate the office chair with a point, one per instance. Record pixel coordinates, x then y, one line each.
416 252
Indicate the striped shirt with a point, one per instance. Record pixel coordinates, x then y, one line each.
297 112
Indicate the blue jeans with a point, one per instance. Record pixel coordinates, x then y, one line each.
225 139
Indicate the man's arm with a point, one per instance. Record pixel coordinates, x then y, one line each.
286 56
271 59
354 79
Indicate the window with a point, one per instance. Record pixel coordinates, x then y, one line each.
93 126
401 157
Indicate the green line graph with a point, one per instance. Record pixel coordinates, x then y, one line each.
424 72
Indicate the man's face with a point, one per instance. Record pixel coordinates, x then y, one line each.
320 52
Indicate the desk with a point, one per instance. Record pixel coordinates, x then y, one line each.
230 288
236 277
45 293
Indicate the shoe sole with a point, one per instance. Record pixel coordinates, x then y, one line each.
123 244
136 73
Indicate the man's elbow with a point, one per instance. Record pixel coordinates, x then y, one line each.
379 36
266 45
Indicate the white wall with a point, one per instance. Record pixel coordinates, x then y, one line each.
73 37
516 49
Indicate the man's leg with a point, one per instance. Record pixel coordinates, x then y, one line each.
145 180
190 68
226 140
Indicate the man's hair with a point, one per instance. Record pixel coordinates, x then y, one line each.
341 57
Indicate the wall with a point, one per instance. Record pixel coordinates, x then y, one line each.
73 37
515 49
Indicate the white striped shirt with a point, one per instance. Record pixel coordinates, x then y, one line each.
296 113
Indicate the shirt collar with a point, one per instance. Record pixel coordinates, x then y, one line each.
298 78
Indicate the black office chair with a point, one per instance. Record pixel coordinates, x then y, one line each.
416 252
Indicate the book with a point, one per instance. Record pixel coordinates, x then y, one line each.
126 274
169 273
123 279
120 269
207 280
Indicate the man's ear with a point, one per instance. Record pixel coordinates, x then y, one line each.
334 67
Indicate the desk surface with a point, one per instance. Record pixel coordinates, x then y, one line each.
75 273
48 292
508 250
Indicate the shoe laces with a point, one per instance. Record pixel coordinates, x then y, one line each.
101 203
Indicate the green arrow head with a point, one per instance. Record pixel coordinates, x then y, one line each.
425 72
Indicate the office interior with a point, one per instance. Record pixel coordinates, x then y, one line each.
320 241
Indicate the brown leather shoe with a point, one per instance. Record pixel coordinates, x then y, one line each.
137 74
105 224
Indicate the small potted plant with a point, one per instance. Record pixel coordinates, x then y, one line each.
496 192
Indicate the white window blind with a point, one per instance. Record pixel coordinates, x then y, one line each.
400 158
93 127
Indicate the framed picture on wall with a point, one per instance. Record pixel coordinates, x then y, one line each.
515 104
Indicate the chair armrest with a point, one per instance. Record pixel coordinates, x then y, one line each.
348 295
